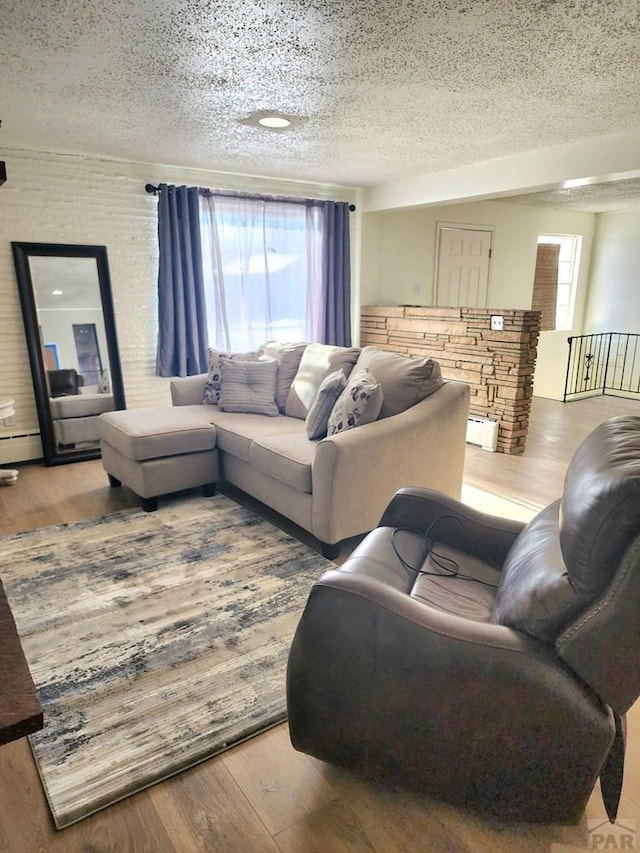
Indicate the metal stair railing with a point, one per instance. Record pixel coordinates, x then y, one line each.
603 363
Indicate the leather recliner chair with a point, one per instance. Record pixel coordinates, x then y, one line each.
63 382
483 661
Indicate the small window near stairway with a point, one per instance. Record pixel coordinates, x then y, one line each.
556 274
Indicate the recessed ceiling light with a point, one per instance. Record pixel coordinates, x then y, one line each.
274 121
57 292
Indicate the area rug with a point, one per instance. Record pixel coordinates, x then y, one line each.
156 640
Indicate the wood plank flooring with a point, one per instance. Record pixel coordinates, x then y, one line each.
262 796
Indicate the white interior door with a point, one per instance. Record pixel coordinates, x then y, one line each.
463 267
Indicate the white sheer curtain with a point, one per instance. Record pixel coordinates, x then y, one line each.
263 268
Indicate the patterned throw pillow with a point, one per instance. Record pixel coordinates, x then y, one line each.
359 403
104 386
330 389
214 376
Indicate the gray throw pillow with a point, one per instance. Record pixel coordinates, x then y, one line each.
405 379
249 386
359 403
330 389
215 358
318 361
288 356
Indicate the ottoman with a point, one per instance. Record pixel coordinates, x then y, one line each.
157 450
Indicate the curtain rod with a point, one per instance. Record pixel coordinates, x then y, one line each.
153 190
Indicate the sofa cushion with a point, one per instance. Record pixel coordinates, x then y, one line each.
215 358
249 387
76 430
330 389
288 356
80 405
405 380
157 431
359 403
286 458
318 360
237 432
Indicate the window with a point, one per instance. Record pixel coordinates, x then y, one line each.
87 352
262 265
568 264
236 270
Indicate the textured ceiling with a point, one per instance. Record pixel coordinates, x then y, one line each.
75 279
593 198
378 90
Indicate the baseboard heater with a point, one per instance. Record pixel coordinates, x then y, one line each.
484 432
20 448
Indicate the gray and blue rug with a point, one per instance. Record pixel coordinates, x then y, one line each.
156 640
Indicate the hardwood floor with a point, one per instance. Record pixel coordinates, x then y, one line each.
556 430
263 796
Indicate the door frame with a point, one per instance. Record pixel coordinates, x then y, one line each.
442 225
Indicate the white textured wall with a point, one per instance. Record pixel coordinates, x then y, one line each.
57 328
69 199
614 294
401 268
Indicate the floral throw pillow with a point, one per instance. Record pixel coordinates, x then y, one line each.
359 403
213 384
104 386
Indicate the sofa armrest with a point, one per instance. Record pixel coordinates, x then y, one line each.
356 473
188 390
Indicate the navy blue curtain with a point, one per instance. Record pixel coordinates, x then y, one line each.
182 332
336 266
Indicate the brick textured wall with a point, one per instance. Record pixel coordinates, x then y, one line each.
498 366
545 285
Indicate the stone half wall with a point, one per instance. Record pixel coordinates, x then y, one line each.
498 365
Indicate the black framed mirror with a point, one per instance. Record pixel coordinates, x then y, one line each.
67 308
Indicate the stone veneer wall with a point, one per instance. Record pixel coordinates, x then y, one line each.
498 366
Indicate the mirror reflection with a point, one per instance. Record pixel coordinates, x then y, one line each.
67 308
74 347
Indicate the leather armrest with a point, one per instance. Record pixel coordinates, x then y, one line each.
380 634
452 522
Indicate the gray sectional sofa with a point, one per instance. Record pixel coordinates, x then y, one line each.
334 486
